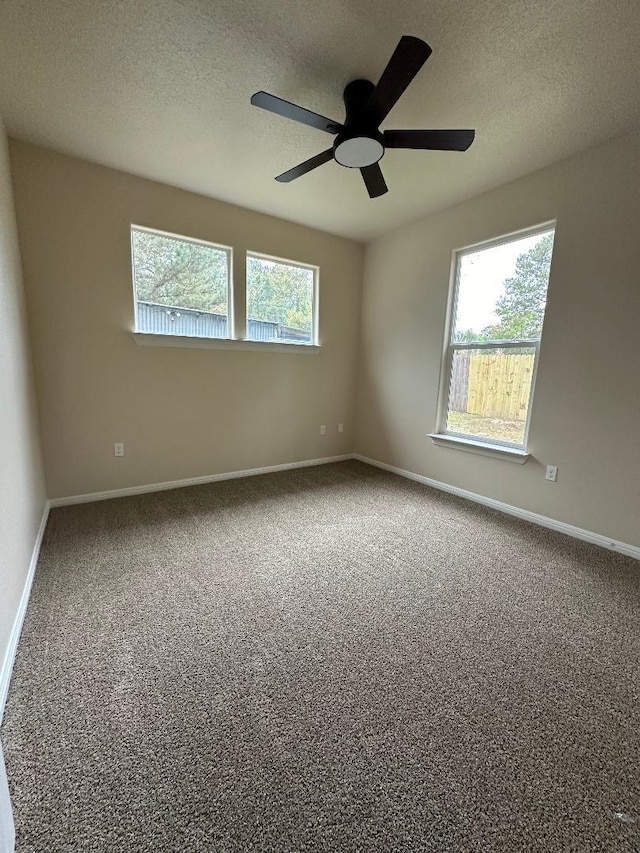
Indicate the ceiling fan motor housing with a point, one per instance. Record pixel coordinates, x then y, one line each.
357 145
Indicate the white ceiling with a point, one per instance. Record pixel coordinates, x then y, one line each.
161 88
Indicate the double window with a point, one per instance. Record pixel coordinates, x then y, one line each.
497 310
184 287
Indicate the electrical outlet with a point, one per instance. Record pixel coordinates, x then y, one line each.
118 449
340 427
552 473
323 429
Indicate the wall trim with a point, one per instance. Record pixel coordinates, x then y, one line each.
7 664
192 481
508 509
153 339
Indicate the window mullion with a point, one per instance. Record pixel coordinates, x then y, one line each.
238 296
494 344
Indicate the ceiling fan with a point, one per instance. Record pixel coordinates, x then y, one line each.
359 142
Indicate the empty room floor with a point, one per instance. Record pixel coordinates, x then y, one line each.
323 659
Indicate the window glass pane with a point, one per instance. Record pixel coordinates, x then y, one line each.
279 301
489 393
502 290
181 287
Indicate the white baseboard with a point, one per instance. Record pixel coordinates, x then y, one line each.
7 663
192 481
533 517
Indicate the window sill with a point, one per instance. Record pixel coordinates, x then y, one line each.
497 451
149 339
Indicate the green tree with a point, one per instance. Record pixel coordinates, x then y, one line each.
520 309
467 336
180 273
169 271
279 293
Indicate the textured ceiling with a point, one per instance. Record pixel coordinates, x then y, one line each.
161 88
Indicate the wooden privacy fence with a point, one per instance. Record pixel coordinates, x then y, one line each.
493 385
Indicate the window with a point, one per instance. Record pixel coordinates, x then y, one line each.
499 297
183 290
280 300
182 286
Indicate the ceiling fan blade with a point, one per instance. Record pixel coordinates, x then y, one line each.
408 58
305 167
435 140
294 112
374 180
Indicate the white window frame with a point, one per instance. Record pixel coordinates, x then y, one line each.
314 299
466 441
233 341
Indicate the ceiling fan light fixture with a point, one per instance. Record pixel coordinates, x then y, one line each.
357 152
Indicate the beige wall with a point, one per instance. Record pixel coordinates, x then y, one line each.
180 412
187 413
586 413
22 496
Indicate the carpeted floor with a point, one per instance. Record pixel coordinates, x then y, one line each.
326 659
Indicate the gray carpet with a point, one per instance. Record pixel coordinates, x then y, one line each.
326 659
